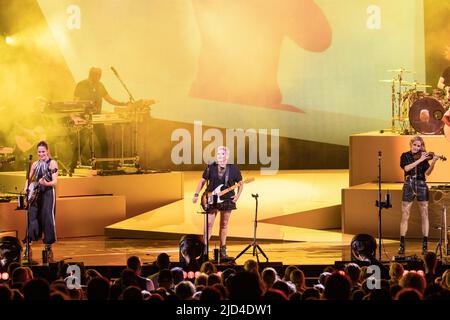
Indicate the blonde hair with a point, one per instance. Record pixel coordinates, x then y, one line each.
227 151
396 270
417 138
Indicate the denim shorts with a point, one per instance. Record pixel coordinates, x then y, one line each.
413 188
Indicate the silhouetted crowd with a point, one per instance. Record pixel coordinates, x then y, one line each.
245 282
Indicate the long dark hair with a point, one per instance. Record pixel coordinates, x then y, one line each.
44 144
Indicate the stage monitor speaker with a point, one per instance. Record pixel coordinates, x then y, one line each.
363 248
10 251
191 252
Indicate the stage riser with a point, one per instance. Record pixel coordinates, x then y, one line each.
75 217
364 157
321 219
143 192
360 215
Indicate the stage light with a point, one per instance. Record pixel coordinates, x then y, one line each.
197 273
9 40
5 276
10 251
191 252
191 275
363 248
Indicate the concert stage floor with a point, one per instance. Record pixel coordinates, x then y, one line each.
299 222
103 251
297 205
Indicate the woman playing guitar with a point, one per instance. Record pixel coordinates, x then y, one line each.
218 173
43 178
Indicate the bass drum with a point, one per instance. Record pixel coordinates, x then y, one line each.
408 99
425 116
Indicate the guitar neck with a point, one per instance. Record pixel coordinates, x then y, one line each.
228 189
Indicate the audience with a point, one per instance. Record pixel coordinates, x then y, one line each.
234 283
162 262
430 263
134 263
338 287
395 273
269 276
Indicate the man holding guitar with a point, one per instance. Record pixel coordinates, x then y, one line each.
217 174
41 201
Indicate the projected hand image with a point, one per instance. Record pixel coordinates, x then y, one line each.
241 43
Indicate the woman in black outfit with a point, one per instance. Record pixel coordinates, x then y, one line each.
416 167
220 172
41 212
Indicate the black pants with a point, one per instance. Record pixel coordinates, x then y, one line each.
41 216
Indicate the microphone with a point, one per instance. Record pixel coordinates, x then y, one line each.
254 195
388 200
379 154
114 70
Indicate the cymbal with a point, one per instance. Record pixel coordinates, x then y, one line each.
401 70
404 83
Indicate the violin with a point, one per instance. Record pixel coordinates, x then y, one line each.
430 156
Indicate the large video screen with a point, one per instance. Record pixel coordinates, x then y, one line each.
310 69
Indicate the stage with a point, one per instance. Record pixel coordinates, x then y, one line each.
298 216
102 220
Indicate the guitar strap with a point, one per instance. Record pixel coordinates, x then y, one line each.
227 175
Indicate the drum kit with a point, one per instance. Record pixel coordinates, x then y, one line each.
414 111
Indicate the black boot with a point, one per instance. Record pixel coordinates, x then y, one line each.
223 255
424 245
27 254
48 248
401 250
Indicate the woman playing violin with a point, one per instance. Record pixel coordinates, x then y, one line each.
416 167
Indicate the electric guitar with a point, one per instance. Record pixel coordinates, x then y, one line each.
212 198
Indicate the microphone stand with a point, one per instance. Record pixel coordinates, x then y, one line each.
254 244
206 231
28 257
130 96
380 205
